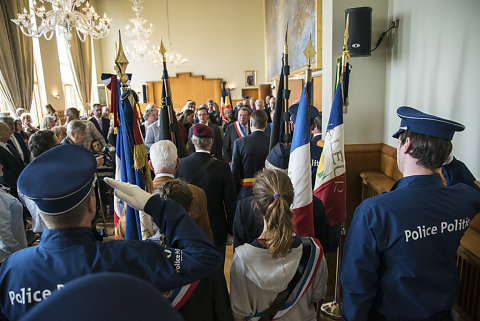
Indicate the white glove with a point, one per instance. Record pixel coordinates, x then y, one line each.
132 194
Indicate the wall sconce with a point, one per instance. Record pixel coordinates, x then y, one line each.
55 94
231 86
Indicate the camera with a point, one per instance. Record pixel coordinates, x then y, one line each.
107 152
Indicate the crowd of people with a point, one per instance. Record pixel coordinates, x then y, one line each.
230 189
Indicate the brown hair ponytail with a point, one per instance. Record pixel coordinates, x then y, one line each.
273 194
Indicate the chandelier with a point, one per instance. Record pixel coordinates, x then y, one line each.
138 34
171 56
65 16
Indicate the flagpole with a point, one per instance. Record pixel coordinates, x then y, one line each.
286 95
121 63
334 309
166 86
309 54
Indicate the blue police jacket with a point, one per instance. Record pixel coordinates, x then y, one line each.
31 275
400 254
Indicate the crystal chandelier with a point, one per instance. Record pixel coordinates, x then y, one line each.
172 57
138 34
65 16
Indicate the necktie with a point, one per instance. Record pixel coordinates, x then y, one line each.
14 151
99 121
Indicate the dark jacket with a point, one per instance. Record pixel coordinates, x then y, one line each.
105 126
217 182
249 154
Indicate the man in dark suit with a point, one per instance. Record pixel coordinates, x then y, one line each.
236 130
204 118
11 161
249 153
101 123
215 179
16 140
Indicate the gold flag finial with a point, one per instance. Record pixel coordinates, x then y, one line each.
122 62
309 52
346 35
162 50
285 46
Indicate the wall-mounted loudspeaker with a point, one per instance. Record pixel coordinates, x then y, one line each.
359 31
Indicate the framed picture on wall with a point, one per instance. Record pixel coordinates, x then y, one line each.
102 95
250 78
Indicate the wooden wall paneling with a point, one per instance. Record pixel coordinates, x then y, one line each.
388 162
296 87
263 91
358 158
317 92
183 87
250 92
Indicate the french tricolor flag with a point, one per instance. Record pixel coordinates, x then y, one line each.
330 183
299 170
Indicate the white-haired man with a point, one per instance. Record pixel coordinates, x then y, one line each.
215 178
164 162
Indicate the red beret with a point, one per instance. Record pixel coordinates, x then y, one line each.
202 131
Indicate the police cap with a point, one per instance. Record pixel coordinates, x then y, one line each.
415 121
312 112
59 179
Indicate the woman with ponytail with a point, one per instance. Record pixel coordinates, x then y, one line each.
265 279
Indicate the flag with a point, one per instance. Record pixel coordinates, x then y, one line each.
226 101
277 128
165 127
330 183
111 82
131 163
299 169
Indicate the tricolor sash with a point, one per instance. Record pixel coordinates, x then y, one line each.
239 129
316 255
180 295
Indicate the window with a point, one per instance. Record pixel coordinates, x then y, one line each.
71 94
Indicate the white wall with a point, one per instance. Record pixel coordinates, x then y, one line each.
432 65
364 120
222 39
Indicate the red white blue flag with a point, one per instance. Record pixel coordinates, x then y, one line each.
299 169
330 183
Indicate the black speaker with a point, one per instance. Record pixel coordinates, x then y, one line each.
359 31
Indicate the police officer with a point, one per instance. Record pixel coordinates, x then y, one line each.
68 249
399 257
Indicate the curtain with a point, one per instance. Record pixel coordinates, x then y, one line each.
81 63
16 58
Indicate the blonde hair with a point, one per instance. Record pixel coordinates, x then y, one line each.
273 194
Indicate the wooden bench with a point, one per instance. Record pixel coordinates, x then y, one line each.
375 183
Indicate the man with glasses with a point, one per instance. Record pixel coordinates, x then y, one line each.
204 118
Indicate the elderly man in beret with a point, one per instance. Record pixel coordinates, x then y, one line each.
68 248
399 258
215 178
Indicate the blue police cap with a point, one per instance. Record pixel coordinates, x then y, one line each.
59 179
121 297
415 121
312 112
279 156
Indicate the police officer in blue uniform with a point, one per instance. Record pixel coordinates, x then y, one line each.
315 151
61 183
399 256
